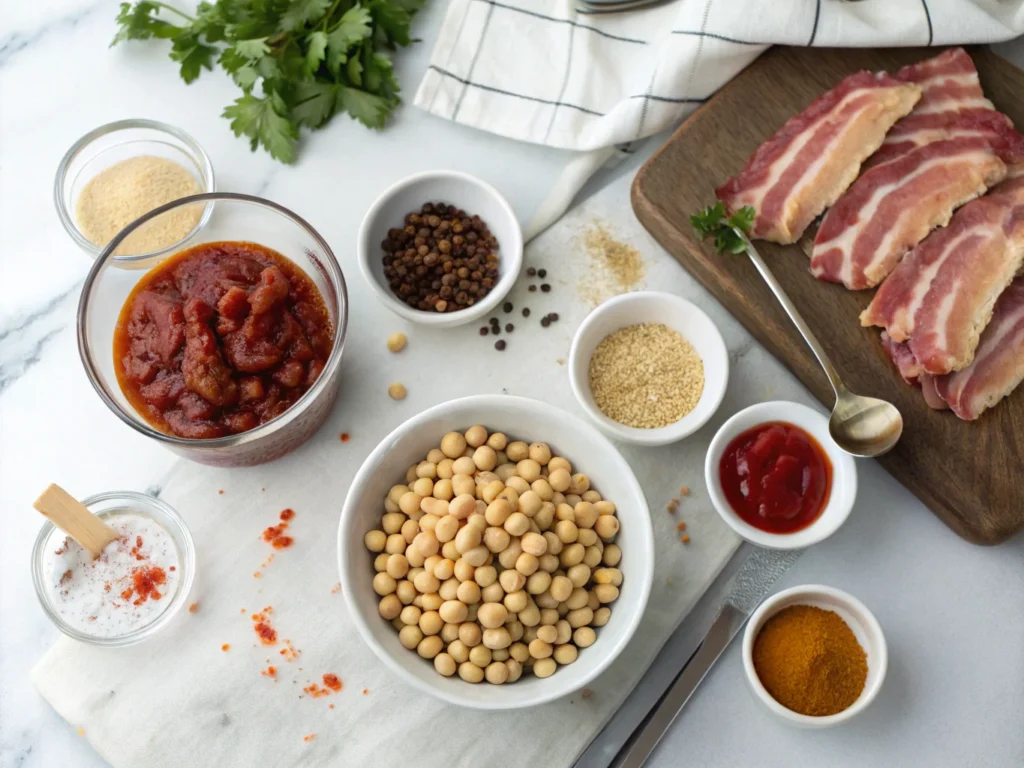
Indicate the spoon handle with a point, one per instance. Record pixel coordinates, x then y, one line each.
794 315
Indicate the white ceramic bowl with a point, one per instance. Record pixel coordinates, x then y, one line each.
844 474
476 197
521 418
851 610
651 307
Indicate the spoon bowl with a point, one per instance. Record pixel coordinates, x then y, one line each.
864 426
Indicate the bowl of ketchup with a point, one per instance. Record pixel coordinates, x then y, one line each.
777 479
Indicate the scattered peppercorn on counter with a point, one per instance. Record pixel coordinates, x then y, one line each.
493 557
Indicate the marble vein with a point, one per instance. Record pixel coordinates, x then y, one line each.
14 43
23 343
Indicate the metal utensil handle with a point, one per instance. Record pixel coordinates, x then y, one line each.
668 709
794 315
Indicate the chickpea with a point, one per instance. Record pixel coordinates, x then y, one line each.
410 615
392 522
530 503
463 485
479 509
497 512
608 576
397 567
426 542
564 632
592 557
469 592
410 636
543 489
430 622
538 582
545 516
453 612
434 455
449 589
528 469
511 495
490 491
380 563
458 650
431 602
566 531
515 670
591 496
548 563
470 672
587 537
561 588
554 543
467 539
476 436
559 479
436 508
612 555
545 634
517 524
527 564
601 616
453 444
604 507
519 651
557 498
496 539
578 575
429 520
509 556
607 526
540 453
493 593
572 555
406 591
446 528
423 486
529 616
584 637
564 512
464 465
572 499
580 617
426 583
515 602
390 506
515 629
499 654
375 540
449 632
504 470
410 502
529 635
463 570
586 514
534 544
415 557
517 450
444 470
606 593
580 484
592 602
390 606
442 491
470 634
427 469
410 475
540 649
578 599
383 584
397 491
480 655
485 459
443 662
565 654
478 521
497 638
545 601
409 530
476 556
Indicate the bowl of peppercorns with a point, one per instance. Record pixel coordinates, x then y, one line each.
441 248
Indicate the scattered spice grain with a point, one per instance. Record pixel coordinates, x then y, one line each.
685 539
193 608
345 437
614 268
809 660
646 376
397 391
397 341
226 647
532 289
681 525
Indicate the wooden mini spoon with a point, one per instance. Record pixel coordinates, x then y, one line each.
71 516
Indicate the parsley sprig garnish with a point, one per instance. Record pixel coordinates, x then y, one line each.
298 62
713 222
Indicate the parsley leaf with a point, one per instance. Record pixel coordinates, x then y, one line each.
310 59
727 231
260 119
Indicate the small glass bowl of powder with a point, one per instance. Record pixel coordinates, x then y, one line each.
134 588
649 368
123 170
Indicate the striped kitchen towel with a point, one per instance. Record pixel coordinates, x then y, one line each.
538 71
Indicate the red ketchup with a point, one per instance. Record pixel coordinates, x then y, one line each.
776 477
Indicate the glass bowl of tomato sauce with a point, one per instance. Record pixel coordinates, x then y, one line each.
775 476
228 350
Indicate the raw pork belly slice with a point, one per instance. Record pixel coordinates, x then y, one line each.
899 352
998 365
892 207
942 294
816 155
952 105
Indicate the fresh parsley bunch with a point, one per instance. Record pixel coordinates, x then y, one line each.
298 62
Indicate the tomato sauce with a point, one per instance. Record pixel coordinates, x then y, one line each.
219 339
776 477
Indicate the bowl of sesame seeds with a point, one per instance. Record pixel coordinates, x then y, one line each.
649 368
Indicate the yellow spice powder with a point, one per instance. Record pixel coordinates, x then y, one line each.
118 195
646 376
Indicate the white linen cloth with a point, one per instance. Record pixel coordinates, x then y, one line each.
538 71
179 701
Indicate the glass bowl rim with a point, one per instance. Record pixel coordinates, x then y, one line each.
67 220
335 276
176 527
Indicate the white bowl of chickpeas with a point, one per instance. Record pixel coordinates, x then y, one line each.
496 552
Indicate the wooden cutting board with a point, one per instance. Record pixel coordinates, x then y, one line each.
970 474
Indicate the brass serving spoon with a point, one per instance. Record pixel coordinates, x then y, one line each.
861 426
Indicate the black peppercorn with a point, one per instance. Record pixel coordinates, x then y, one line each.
531 271
484 331
509 327
542 273
533 288
553 317
545 287
507 306
526 311
499 345
545 321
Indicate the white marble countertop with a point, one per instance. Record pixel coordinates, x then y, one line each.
950 610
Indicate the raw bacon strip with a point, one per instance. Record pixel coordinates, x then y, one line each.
930 390
941 296
807 164
900 354
998 365
952 105
893 206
